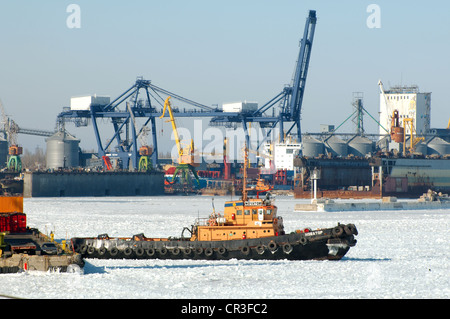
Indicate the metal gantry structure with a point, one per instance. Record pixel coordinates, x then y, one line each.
290 98
148 105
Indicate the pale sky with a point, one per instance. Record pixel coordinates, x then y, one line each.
216 52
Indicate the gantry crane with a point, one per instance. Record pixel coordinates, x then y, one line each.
11 129
413 139
290 100
186 161
122 119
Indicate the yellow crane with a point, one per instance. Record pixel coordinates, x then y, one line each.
186 161
413 140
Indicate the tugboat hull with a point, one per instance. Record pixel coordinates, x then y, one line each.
321 244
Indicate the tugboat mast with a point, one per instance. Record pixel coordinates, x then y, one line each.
244 177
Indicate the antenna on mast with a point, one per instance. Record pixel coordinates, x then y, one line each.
244 177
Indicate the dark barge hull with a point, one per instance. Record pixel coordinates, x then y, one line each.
321 244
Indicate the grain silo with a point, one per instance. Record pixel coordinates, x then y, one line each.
420 148
438 146
360 146
62 150
336 146
312 147
3 152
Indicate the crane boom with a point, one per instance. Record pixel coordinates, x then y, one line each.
301 70
174 125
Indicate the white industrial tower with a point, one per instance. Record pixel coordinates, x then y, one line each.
409 103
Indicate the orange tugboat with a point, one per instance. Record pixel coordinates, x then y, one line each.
249 228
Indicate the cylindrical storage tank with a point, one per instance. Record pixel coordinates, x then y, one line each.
360 146
62 151
312 147
3 152
336 146
438 146
421 148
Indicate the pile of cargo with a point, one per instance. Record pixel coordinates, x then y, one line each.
23 248
13 222
432 196
12 218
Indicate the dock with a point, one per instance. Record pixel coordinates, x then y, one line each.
66 184
429 200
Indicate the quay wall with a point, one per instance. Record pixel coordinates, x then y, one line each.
370 206
76 184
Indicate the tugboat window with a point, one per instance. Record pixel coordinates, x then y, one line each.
239 212
247 212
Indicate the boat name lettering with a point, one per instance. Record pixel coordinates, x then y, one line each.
252 203
313 233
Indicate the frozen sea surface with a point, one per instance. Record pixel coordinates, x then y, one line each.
399 254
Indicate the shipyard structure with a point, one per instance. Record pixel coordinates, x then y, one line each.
405 158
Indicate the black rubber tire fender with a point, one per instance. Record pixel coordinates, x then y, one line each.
222 250
162 251
176 251
128 252
198 250
90 250
303 240
245 250
187 251
260 249
150 252
102 251
350 229
114 252
287 248
272 246
209 252
83 249
337 231
139 251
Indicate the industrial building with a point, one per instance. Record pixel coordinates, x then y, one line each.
410 103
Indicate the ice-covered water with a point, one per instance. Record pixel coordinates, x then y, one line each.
399 254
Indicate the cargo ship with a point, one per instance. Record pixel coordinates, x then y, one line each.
376 177
249 228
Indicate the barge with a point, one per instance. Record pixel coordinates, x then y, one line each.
26 249
377 177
